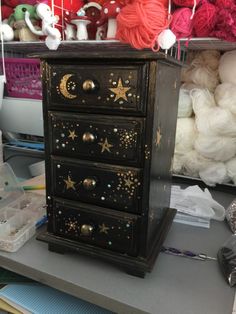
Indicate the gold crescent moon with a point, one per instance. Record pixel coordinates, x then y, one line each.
63 87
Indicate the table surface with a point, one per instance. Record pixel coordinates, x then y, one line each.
176 285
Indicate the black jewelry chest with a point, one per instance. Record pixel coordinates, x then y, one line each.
109 119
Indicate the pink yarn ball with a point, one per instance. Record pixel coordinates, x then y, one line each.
186 3
181 23
225 4
204 20
225 27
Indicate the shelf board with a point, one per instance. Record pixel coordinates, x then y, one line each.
207 43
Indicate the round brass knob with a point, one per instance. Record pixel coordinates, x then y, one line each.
89 86
89 184
86 230
88 137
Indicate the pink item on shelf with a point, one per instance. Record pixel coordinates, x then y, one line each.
140 22
205 19
23 78
226 20
186 3
181 23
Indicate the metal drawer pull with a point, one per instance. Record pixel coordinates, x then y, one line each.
88 137
89 86
89 184
86 230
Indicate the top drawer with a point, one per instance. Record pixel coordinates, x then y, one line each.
100 87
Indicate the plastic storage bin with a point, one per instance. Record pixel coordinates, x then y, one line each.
23 78
19 212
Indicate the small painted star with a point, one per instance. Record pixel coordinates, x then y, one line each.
158 138
72 135
128 182
69 183
120 91
105 146
103 228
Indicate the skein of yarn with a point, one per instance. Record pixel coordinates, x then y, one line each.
140 22
186 3
181 23
204 20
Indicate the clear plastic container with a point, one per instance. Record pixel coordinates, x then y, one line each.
18 230
19 211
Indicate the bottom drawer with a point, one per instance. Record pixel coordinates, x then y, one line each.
105 228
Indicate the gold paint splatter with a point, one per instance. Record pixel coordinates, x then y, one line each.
158 137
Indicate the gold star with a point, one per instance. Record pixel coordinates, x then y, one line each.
105 146
103 228
128 182
120 91
159 136
69 183
72 134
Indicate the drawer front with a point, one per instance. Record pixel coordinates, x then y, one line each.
82 87
108 186
108 230
93 137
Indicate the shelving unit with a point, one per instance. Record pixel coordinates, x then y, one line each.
38 47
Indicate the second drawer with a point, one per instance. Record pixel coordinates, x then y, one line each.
94 137
100 184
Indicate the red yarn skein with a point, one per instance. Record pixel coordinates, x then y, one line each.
204 20
181 23
186 3
140 22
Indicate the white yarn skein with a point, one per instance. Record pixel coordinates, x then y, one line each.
218 148
231 169
216 121
227 67
214 173
185 108
225 96
207 58
177 163
202 99
204 77
185 135
1 150
211 119
193 162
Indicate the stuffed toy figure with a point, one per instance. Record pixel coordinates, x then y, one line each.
17 22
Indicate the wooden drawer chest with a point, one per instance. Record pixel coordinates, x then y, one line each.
109 120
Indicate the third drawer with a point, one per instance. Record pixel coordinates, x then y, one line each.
96 183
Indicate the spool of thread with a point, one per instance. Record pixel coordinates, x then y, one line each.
140 22
181 23
1 149
205 20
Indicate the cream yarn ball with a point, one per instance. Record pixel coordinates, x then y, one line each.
227 67
225 96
